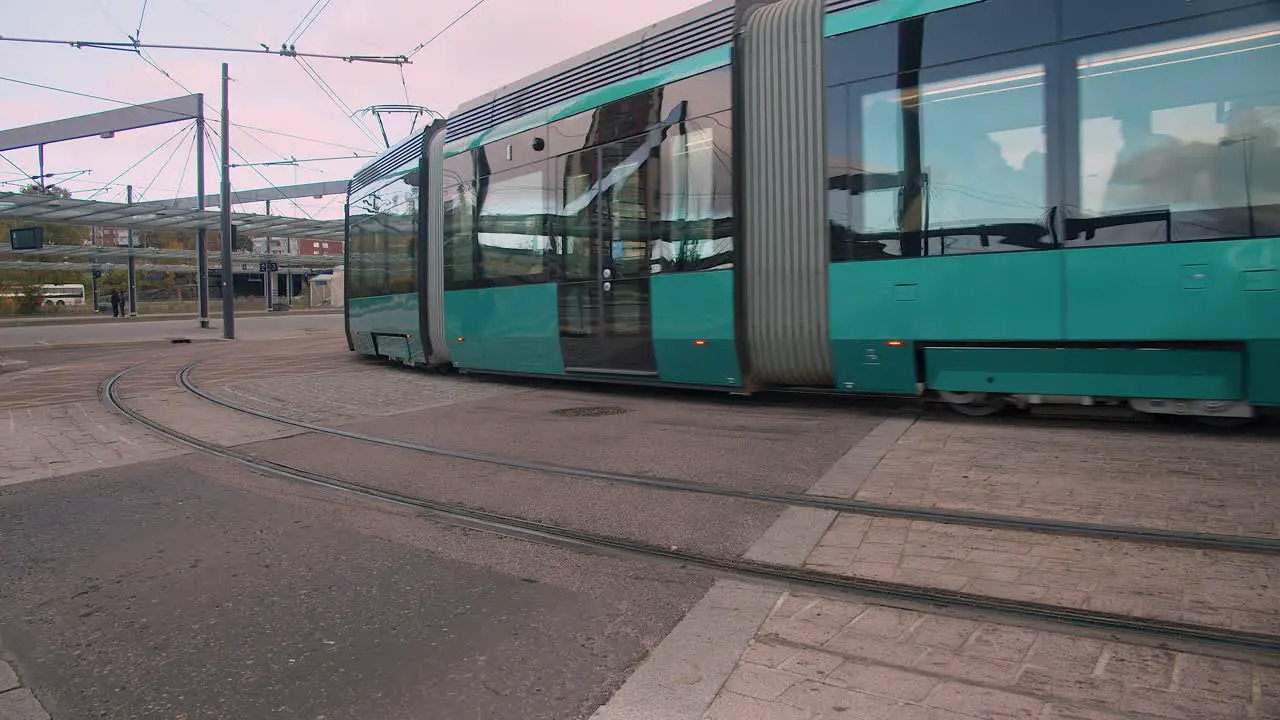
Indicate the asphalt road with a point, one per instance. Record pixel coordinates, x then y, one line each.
192 589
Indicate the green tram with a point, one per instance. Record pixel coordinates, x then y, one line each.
985 202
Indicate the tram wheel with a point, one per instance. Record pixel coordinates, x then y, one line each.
973 404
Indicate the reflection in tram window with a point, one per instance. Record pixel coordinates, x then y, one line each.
1180 140
512 232
697 198
981 185
383 233
459 233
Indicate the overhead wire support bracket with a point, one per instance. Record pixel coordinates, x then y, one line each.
134 46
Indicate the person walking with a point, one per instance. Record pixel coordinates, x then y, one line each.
115 303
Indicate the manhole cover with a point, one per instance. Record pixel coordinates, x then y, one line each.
589 411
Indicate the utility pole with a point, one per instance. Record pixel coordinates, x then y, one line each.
133 278
202 244
228 301
266 273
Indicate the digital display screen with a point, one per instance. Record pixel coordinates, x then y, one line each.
31 238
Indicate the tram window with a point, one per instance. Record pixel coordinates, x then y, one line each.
1081 18
696 197
512 234
459 235
573 178
969 31
953 166
988 28
861 54
1180 140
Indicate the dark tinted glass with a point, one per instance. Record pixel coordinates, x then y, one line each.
1092 17
840 166
458 169
515 151
989 27
1179 137
570 134
704 94
692 97
863 54
970 31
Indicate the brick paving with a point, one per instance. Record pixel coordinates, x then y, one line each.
52 440
1161 478
354 394
1235 590
815 659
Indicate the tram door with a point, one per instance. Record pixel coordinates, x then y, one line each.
605 203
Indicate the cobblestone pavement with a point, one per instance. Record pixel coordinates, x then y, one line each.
819 659
1235 590
47 441
354 394
52 423
1169 478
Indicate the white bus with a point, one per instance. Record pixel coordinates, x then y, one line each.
51 294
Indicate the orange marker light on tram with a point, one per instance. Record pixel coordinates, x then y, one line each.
894 343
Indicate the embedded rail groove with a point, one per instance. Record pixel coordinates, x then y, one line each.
1146 629
1234 543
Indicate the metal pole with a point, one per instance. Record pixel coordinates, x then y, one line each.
266 274
288 281
93 275
40 181
202 243
228 301
133 277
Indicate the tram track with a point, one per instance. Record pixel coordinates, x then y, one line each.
1233 543
1164 633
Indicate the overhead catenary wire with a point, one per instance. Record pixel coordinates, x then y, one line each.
142 159
214 134
142 196
301 20
264 50
21 172
191 150
311 22
432 39
137 35
335 98
213 113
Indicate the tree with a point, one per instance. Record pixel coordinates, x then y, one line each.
29 299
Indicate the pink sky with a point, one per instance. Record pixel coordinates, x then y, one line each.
501 41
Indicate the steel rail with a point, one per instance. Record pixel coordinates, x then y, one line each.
1234 543
1147 629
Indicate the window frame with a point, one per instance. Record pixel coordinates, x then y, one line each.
1050 57
1071 51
